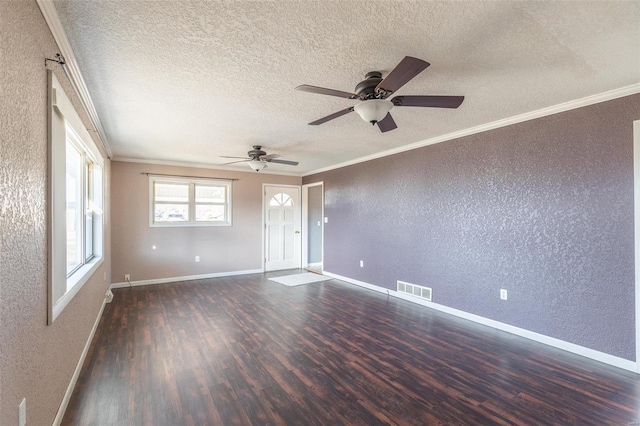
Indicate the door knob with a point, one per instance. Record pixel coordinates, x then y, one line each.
297 232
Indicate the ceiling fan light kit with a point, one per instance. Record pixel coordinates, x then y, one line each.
374 90
257 165
373 110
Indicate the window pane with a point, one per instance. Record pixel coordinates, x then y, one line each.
281 199
171 212
88 240
74 198
210 194
172 192
183 202
88 217
210 213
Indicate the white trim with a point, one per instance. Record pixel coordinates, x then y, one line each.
636 213
185 278
555 109
615 361
304 224
357 282
78 280
74 379
201 166
263 226
50 14
63 123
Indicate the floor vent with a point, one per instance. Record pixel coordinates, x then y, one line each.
415 290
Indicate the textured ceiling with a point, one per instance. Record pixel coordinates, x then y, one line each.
188 81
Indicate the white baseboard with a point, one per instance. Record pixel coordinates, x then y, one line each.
317 265
74 379
185 278
615 361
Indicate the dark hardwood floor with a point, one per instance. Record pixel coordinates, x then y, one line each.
245 350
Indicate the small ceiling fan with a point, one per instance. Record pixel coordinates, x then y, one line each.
258 159
373 92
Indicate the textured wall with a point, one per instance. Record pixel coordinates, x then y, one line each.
221 248
542 208
36 360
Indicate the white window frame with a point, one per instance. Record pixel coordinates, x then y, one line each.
191 182
64 125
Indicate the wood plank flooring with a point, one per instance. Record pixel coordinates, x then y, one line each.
248 351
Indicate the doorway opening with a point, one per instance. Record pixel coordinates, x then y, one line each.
313 227
636 208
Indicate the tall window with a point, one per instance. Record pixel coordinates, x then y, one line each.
75 202
83 176
189 202
74 196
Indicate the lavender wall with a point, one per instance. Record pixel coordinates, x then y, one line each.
542 208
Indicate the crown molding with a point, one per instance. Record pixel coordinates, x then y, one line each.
72 70
555 109
201 166
50 14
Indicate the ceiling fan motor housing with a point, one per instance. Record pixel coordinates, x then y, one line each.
366 89
256 152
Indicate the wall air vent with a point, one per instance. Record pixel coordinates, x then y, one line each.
414 290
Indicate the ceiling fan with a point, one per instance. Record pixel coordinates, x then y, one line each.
258 159
373 92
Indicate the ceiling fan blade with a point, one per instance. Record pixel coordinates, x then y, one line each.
226 156
387 123
233 162
408 68
270 156
325 91
290 163
331 117
428 101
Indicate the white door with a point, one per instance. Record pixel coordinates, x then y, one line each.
282 227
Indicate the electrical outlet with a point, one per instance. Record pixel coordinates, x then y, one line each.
326 220
197 258
503 294
22 412
362 263
127 277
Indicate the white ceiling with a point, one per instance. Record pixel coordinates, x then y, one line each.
188 81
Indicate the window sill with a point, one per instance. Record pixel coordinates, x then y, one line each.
75 282
187 224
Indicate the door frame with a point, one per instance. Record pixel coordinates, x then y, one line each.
636 213
264 222
305 225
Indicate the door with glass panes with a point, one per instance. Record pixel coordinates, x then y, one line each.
282 227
